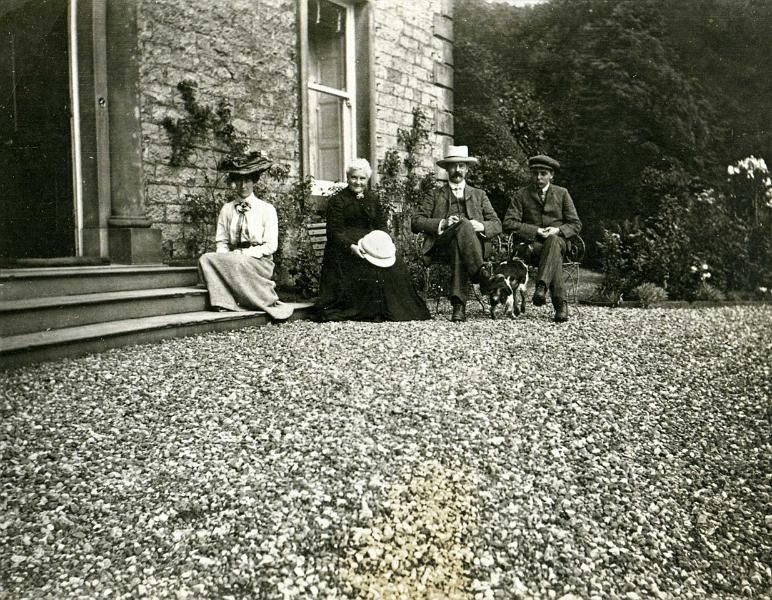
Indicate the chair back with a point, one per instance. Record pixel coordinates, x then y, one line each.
575 249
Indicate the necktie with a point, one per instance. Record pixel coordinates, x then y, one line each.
242 227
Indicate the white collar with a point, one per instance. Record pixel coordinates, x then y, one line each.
544 189
457 186
251 199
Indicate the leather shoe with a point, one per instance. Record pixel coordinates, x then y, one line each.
561 310
459 313
540 294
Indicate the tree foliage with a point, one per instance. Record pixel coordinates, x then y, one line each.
638 99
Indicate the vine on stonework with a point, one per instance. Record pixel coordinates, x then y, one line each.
200 140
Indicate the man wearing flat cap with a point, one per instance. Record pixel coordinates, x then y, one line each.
543 215
458 223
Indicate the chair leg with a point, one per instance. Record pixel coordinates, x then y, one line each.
478 296
571 274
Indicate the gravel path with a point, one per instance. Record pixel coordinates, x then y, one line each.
625 454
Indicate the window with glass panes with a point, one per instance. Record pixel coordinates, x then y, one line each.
331 88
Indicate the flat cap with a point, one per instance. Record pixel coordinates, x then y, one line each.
542 161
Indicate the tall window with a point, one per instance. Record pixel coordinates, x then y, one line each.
331 88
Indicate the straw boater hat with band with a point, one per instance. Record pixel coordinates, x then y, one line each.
457 154
378 249
251 165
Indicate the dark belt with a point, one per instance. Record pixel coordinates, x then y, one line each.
242 245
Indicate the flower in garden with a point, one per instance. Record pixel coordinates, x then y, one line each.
750 165
763 290
705 266
706 196
693 269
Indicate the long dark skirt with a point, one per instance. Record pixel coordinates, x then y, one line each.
358 290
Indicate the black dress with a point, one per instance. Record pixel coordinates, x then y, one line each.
352 288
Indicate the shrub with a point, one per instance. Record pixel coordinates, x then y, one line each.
649 294
296 262
401 189
763 293
691 230
618 251
710 293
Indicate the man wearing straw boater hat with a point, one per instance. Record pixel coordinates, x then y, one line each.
458 223
543 215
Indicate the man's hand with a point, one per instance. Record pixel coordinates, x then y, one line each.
447 223
478 227
355 250
547 231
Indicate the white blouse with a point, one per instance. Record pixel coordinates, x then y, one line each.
262 224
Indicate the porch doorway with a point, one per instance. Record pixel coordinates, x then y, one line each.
37 208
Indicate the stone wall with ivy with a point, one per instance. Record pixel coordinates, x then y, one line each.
239 51
245 53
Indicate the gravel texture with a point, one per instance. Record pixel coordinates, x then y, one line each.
625 454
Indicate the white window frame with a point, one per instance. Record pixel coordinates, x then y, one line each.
322 186
77 166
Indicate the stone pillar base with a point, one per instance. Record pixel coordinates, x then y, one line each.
135 246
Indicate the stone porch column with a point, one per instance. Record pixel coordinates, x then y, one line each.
131 240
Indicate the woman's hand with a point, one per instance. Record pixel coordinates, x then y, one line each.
356 251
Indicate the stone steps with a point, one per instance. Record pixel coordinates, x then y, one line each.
24 349
19 284
52 313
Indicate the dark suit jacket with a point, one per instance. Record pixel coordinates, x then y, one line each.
436 206
526 214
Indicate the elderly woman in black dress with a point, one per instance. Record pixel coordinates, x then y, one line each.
362 278
238 274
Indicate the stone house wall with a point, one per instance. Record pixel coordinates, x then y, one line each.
413 67
246 52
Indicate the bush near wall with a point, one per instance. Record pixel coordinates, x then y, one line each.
698 245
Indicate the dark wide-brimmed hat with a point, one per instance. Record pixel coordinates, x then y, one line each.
542 161
457 154
253 164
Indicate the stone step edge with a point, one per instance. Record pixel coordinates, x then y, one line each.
45 302
69 335
32 273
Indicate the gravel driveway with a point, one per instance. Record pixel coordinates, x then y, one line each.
625 454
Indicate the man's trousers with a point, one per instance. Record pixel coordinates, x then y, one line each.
461 248
550 253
